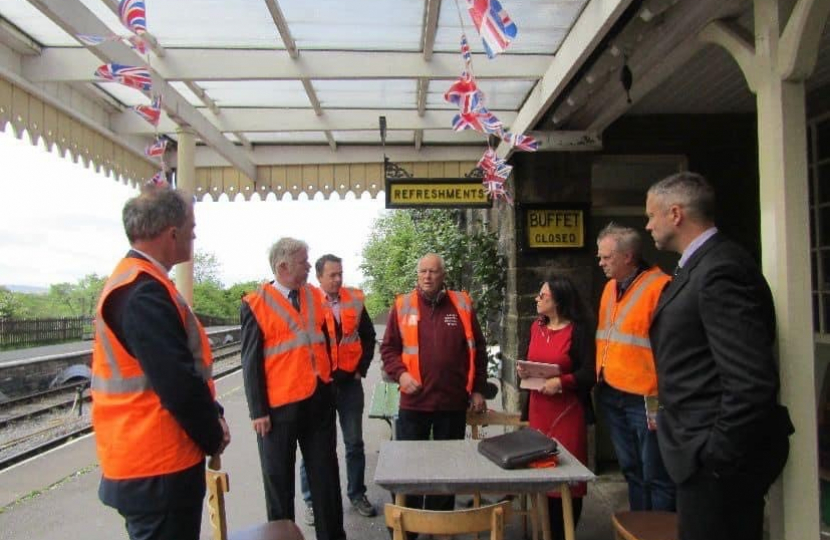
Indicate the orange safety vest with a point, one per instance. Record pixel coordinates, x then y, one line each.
407 307
345 354
294 347
135 435
624 354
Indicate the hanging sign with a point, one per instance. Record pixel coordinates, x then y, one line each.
554 226
436 193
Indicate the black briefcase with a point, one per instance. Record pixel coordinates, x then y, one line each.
517 448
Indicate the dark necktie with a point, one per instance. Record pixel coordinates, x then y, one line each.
295 299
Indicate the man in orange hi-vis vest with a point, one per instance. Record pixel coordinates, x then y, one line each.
434 349
626 376
154 410
352 346
287 373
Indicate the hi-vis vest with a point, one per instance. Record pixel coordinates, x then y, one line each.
294 347
346 354
407 307
135 436
624 354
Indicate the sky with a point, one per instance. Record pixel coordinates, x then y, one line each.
60 221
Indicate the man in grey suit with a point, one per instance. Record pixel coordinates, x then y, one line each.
722 434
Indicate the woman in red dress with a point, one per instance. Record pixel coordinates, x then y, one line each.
561 409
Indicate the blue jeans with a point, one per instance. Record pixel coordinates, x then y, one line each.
349 403
649 485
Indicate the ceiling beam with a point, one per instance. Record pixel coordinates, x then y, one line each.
243 140
593 24
247 120
332 142
75 18
67 64
423 88
321 154
419 139
282 28
19 42
432 9
312 97
203 97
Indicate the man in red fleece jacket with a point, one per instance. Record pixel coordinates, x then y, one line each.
434 349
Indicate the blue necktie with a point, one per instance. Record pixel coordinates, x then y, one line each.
295 299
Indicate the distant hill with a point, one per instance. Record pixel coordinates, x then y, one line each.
28 289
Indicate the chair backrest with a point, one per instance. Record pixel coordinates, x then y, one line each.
474 520
492 418
217 486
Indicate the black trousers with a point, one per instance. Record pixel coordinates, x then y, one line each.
311 424
442 426
178 524
730 505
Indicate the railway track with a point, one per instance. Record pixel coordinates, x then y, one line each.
34 424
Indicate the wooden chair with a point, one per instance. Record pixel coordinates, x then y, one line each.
649 525
473 520
505 419
217 486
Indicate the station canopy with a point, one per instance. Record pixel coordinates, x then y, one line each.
288 95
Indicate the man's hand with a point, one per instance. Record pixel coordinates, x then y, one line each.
408 384
262 425
226 435
477 403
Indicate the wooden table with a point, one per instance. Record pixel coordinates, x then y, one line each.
456 467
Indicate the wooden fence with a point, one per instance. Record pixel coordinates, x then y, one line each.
22 333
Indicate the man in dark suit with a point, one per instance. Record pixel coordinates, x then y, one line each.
722 434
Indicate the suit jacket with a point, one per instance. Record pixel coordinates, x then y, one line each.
712 335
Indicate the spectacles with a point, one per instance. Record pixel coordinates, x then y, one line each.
542 296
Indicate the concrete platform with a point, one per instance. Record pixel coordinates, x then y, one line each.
54 496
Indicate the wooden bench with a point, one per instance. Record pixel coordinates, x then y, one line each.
386 397
645 525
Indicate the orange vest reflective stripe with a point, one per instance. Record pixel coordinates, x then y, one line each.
135 436
294 347
623 348
407 307
345 355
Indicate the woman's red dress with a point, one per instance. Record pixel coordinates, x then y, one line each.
561 416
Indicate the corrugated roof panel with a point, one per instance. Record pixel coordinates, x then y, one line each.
387 93
256 93
373 137
360 25
286 137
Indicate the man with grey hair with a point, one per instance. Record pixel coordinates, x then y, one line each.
434 349
154 409
722 434
626 377
287 373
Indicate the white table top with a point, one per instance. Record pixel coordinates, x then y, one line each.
457 467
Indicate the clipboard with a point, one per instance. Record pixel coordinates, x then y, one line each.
538 372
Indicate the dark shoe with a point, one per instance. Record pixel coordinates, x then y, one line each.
364 507
308 516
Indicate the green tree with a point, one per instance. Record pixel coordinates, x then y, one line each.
206 268
10 306
76 299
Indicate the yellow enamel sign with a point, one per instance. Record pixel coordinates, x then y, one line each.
554 228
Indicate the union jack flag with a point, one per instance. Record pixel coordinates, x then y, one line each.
138 44
491 124
494 25
465 52
471 120
132 76
159 179
152 112
465 94
133 15
92 41
156 149
521 142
